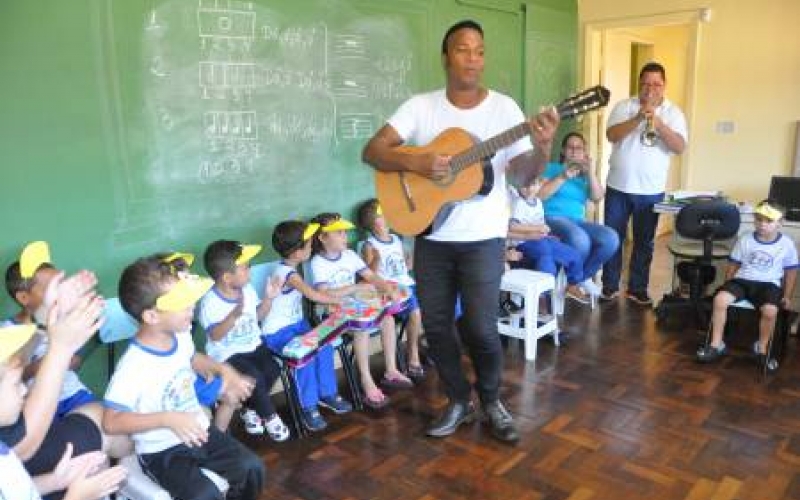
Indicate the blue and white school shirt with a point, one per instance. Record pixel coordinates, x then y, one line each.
244 337
392 259
764 260
287 307
524 211
337 272
168 387
15 483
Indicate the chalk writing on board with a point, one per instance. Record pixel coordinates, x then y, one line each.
257 98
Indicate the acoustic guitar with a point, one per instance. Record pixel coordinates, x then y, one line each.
410 201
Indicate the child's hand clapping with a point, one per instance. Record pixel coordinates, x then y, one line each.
186 426
70 330
273 287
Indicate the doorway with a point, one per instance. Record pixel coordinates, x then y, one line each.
615 50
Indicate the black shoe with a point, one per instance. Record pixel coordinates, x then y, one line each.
709 353
501 422
454 415
640 297
609 294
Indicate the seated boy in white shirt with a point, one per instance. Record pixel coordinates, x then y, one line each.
172 435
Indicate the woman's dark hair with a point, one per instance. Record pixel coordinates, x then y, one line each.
564 143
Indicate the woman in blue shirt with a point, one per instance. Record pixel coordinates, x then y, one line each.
567 186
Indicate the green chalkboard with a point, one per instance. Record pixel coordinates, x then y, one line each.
133 126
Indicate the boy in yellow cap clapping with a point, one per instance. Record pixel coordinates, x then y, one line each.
230 314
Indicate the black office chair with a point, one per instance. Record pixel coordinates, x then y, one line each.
706 229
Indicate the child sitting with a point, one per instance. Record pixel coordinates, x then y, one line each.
230 314
210 393
27 281
335 267
316 380
529 234
78 475
172 435
384 254
762 269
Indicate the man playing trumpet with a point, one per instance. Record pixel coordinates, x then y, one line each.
645 131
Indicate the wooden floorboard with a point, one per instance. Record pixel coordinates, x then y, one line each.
619 411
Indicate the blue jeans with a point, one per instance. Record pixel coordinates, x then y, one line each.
595 243
470 271
548 254
620 208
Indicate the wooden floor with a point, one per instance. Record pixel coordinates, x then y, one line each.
619 411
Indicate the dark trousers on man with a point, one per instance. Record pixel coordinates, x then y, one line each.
471 271
621 207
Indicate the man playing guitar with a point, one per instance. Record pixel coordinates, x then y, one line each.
461 254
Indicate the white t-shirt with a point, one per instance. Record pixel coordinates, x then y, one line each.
337 272
151 381
245 336
764 260
525 211
634 167
287 307
15 483
423 117
392 259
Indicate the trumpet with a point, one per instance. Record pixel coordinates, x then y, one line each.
649 135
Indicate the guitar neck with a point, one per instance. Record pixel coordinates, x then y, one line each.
490 146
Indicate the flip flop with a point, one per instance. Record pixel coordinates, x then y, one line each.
396 383
376 400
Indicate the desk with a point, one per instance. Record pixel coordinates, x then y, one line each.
789 228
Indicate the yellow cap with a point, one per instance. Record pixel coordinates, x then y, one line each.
338 225
184 293
766 210
186 256
378 209
248 252
33 256
12 338
311 230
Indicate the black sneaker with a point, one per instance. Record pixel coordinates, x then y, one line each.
608 294
639 297
709 353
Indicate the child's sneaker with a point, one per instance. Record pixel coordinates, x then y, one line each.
276 429
252 422
709 354
336 404
590 287
313 420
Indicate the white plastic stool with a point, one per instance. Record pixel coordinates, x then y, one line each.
529 325
139 486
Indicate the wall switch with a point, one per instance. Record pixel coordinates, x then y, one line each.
725 127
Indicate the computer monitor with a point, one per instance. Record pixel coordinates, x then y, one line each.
786 191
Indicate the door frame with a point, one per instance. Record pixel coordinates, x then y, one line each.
591 66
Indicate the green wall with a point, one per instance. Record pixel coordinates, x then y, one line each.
137 126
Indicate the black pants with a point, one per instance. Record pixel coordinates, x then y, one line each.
260 365
471 271
177 469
